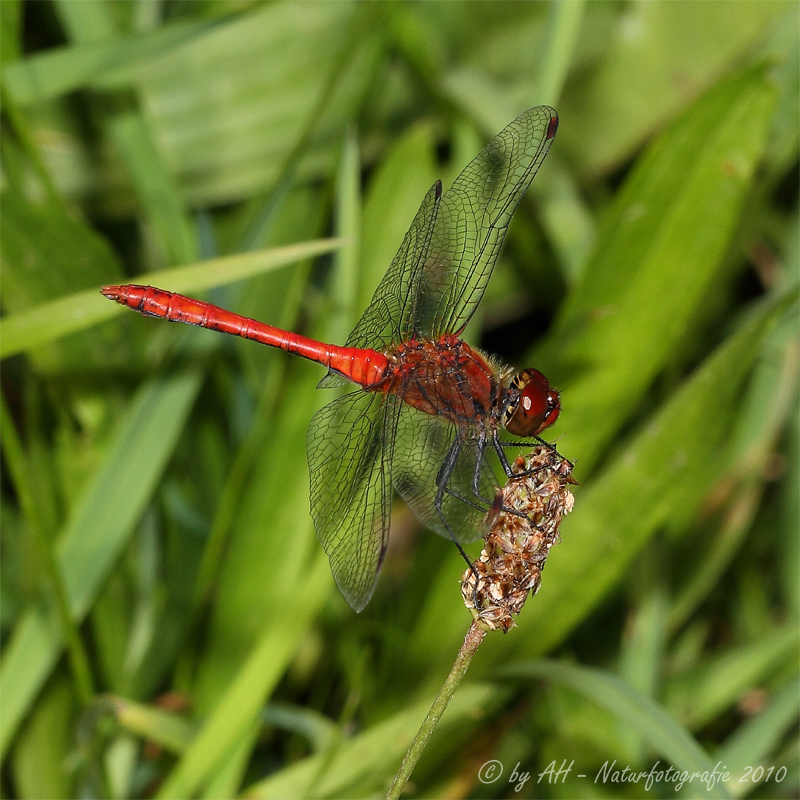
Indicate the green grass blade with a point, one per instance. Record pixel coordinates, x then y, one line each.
19 124
86 23
96 534
633 89
37 761
670 464
756 740
52 579
48 253
24 331
100 65
316 728
10 28
344 279
239 707
166 728
634 710
562 33
229 131
157 191
361 761
659 250
701 694
392 198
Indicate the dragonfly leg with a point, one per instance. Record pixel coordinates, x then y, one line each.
549 445
498 446
467 501
483 504
442 479
480 461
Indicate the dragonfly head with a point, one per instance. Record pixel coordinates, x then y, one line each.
533 405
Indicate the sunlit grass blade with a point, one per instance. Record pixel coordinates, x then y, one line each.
660 248
673 461
100 64
240 705
362 761
166 728
755 741
714 685
633 710
24 331
96 534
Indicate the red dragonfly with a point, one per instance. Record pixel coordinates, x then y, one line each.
429 406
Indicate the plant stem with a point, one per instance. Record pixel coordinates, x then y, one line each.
473 638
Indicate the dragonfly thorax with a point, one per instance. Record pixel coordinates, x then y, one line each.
444 377
531 404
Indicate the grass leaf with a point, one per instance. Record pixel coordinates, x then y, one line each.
99 528
632 709
42 324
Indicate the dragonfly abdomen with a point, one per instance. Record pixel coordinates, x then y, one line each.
362 366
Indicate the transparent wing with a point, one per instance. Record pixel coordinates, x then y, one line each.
349 457
471 224
421 446
440 272
390 314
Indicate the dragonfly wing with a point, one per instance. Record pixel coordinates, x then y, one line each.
422 445
389 314
440 272
472 221
349 457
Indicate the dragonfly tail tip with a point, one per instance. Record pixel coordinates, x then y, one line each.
112 292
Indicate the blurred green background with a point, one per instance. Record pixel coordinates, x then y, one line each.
169 624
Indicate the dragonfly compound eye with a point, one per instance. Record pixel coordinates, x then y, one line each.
536 406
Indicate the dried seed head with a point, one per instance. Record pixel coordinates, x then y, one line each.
523 527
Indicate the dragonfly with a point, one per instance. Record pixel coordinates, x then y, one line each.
428 408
